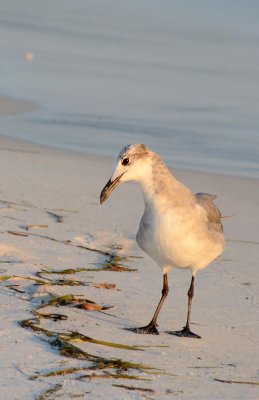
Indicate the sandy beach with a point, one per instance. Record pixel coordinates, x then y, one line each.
79 81
56 240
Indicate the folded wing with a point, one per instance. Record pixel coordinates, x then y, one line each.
205 200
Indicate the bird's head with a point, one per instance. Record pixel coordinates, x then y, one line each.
130 165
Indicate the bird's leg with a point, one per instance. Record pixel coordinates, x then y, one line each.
186 332
151 327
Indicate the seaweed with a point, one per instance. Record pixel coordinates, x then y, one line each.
4 278
70 299
75 370
68 271
62 341
242 241
49 282
112 376
25 278
62 301
65 282
56 217
135 388
105 285
68 349
76 336
16 233
66 242
256 383
113 263
47 393
52 316
58 372
92 307
16 288
66 343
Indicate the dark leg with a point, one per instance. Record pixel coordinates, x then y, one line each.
151 327
186 332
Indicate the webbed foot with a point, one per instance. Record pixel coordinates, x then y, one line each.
150 329
185 332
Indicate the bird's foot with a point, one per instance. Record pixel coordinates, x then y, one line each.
185 332
149 329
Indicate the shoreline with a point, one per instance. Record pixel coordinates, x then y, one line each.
24 144
10 106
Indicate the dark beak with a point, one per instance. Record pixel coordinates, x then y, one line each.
108 188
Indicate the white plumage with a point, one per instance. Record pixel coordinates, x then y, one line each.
178 228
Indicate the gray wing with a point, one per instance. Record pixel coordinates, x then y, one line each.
205 200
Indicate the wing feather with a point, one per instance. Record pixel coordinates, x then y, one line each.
205 200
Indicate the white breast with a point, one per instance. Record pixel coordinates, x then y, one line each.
177 238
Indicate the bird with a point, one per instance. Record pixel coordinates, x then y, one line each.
178 229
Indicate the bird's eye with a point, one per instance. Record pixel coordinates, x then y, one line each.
125 161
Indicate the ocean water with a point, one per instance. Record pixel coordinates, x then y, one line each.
180 76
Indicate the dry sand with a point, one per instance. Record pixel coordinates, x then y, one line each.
37 181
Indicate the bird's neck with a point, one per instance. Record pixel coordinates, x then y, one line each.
159 185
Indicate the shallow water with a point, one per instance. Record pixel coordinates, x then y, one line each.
182 79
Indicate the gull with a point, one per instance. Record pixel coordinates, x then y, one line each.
179 229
